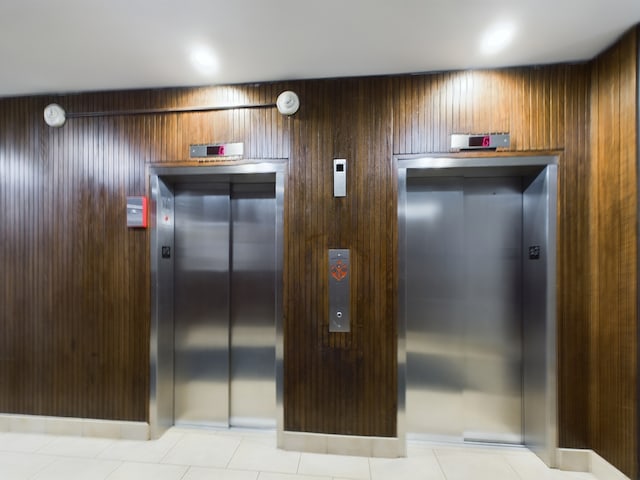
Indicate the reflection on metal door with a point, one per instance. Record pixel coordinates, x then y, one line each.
253 337
224 304
464 308
201 304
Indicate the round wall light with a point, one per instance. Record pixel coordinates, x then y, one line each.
288 103
54 115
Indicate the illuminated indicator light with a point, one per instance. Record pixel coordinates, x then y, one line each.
215 150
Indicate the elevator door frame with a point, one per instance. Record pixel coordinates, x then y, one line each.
162 179
545 442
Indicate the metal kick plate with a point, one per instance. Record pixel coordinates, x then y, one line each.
339 290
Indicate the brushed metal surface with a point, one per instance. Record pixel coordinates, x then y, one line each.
539 373
435 312
339 290
163 181
464 308
201 296
161 334
253 306
542 339
492 394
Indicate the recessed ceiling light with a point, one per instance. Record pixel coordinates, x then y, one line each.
497 38
203 60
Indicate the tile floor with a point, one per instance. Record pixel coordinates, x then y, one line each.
183 454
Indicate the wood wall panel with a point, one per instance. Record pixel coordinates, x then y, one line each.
613 385
74 318
339 119
573 258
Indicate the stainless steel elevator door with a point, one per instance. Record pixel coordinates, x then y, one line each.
224 305
464 308
253 337
201 304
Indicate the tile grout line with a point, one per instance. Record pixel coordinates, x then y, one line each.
161 459
435 454
110 474
505 458
35 474
299 462
226 467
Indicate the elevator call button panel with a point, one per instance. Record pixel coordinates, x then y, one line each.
339 290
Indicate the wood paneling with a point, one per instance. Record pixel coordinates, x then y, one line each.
333 380
74 291
573 261
613 385
74 315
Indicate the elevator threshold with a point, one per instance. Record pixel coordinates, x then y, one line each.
450 441
223 429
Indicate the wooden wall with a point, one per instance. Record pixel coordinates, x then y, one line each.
613 386
74 285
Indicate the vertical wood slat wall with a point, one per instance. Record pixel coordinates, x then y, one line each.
74 291
613 398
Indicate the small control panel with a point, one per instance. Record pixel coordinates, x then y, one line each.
137 212
339 177
339 290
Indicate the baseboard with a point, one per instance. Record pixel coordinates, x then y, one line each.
385 447
79 427
588 461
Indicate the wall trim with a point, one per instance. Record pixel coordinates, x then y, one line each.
383 447
78 427
577 460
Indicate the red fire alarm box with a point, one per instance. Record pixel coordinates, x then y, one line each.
137 212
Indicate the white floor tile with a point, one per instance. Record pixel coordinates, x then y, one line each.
24 442
258 456
202 450
85 469
417 468
76 447
334 466
529 467
560 475
148 471
289 476
19 466
201 473
152 451
185 454
458 465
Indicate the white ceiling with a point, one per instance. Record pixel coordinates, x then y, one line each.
56 46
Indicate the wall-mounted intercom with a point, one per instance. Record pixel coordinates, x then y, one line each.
339 177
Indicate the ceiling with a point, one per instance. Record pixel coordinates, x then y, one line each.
87 45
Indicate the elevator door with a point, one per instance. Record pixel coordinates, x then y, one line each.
224 304
464 308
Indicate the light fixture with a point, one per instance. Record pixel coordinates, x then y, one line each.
497 37
54 115
288 103
203 59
